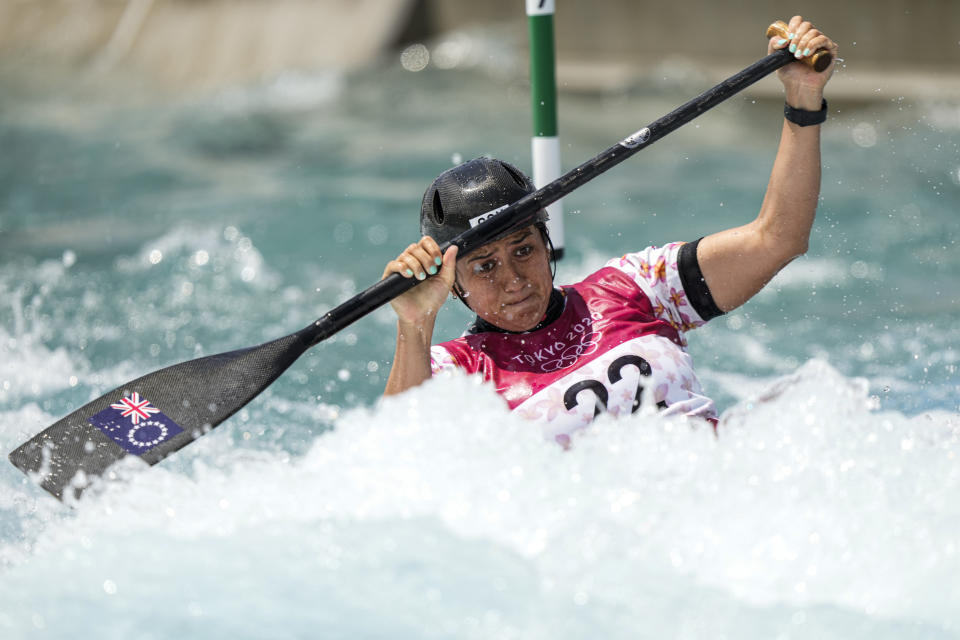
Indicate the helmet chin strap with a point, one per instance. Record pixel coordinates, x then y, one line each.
542 226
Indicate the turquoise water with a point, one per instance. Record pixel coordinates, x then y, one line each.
139 230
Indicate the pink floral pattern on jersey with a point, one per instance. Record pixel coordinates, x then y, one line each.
655 271
659 271
626 398
687 323
661 311
643 268
660 393
677 297
547 407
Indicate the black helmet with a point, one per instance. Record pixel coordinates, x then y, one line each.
470 190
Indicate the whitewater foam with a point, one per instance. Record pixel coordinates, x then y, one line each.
439 513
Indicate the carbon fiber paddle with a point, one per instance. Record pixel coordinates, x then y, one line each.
153 416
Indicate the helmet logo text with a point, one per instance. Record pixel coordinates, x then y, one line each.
484 216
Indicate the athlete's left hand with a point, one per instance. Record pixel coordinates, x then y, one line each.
804 86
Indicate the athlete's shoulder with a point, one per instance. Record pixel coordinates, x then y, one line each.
650 264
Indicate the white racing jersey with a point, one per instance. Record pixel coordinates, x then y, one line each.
617 344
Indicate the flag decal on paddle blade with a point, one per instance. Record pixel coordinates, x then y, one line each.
135 424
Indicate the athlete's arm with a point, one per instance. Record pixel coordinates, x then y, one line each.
417 310
738 262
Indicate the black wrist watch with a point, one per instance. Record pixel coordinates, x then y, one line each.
805 118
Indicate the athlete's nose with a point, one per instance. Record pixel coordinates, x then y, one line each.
512 280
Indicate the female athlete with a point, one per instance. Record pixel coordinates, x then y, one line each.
614 342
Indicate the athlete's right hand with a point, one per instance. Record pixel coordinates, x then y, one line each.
422 260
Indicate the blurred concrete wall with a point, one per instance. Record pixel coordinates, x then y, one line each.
885 32
911 45
200 42
889 47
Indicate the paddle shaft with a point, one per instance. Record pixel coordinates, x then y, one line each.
523 210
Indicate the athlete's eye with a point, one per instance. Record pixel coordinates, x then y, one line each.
484 267
523 251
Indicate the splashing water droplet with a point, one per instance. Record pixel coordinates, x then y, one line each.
416 57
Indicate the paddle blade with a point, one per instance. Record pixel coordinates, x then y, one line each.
153 416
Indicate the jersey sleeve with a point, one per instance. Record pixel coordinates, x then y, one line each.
671 279
441 360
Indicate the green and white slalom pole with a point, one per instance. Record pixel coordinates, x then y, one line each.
543 90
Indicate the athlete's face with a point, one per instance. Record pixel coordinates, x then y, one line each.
508 282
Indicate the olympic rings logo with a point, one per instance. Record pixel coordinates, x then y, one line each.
569 356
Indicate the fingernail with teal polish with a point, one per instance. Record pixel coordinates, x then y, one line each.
806 52
408 272
793 48
432 270
439 261
781 41
421 276
790 35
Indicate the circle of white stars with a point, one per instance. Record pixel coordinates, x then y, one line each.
131 435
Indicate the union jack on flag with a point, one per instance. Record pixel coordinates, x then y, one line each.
135 408
135 424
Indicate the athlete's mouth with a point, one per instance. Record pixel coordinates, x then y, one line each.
507 305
